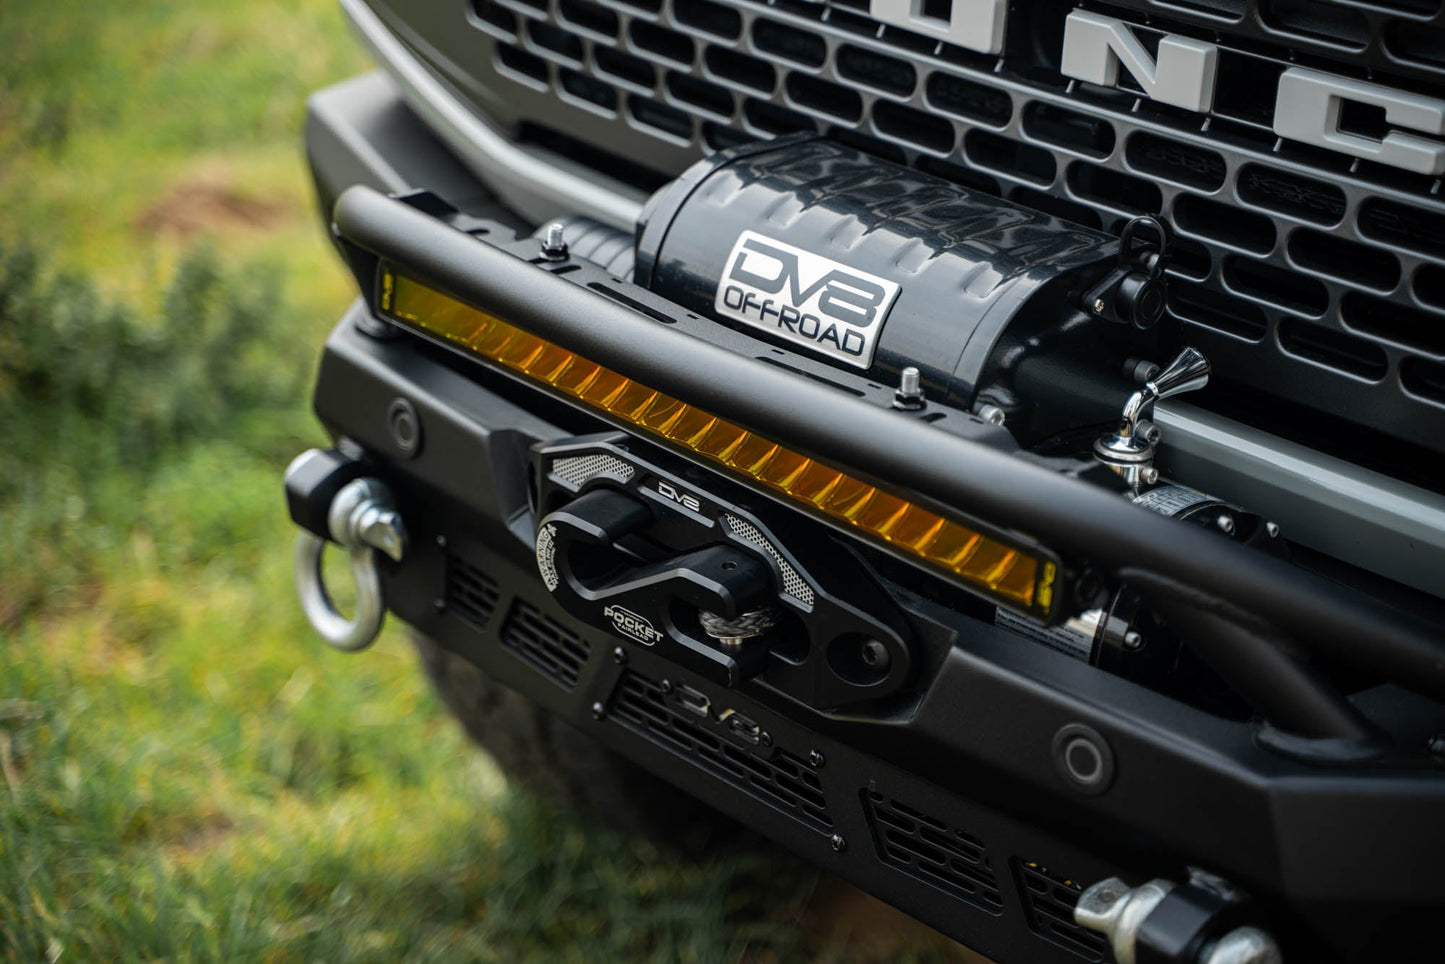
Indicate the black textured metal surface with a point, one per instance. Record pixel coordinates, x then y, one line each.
1315 278
471 593
553 649
777 777
971 269
1049 899
948 858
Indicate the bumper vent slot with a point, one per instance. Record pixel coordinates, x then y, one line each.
924 847
701 75
551 648
471 593
1049 900
782 779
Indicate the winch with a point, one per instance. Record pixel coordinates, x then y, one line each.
880 268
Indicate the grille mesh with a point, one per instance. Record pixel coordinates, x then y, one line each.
1317 277
950 859
793 583
579 469
781 778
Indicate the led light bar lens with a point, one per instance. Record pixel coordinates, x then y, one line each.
1003 571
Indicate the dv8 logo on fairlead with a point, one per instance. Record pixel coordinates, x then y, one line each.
805 298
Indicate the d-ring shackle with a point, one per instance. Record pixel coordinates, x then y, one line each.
363 519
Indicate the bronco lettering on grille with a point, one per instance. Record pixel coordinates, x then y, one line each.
1307 107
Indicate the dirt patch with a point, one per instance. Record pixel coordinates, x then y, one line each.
197 207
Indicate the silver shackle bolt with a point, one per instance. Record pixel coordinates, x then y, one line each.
909 395
554 242
1118 911
362 518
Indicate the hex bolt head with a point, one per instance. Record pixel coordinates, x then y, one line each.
1133 641
1225 523
815 759
1098 306
598 711
991 414
619 656
1273 529
839 844
1148 475
875 655
665 686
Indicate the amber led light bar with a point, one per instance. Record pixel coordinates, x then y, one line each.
1008 574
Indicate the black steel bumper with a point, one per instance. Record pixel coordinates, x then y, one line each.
951 806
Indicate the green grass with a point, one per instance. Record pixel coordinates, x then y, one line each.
185 771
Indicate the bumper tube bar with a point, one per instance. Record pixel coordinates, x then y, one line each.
1181 566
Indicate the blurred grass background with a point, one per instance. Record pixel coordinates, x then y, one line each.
187 772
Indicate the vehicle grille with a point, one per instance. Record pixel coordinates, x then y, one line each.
551 648
1049 900
776 776
471 593
922 846
1312 276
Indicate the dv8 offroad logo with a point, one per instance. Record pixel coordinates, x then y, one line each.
805 298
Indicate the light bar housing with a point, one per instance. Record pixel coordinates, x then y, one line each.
1005 573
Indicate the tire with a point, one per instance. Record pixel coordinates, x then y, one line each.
551 759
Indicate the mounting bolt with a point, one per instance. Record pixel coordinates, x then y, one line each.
815 759
1148 475
554 245
439 605
1273 529
598 711
839 844
1436 746
1140 370
665 686
1148 431
441 542
619 656
991 414
1098 306
1133 641
909 395
1225 524
875 655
